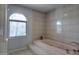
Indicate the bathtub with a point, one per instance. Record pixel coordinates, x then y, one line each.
51 47
41 48
69 48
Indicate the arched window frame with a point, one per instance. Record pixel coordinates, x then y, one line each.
17 16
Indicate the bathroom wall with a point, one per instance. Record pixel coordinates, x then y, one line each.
38 24
20 42
3 43
1 22
35 26
63 24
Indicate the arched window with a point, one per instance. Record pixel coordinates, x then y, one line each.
17 16
17 25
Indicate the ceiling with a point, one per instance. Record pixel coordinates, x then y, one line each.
42 7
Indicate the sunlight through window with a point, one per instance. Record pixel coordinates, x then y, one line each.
17 25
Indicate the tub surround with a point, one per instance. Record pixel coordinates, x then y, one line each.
63 24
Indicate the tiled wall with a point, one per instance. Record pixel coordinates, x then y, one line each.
63 24
2 17
3 44
38 24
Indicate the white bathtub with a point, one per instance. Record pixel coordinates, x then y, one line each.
41 48
69 48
